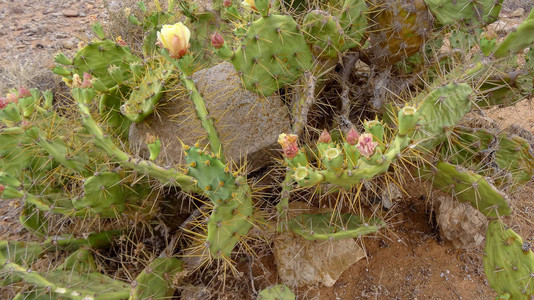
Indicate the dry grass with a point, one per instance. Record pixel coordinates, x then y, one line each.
30 72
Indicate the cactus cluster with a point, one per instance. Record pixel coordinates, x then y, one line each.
70 166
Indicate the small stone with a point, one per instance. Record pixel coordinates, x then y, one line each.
70 13
69 44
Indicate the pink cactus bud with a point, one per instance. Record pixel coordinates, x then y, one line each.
12 98
3 102
76 81
2 188
227 3
352 136
23 93
87 83
366 145
325 137
289 144
121 42
217 40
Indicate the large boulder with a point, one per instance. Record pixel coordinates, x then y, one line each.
247 123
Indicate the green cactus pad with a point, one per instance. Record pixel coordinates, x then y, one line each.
276 292
155 282
72 284
470 187
229 221
494 152
324 33
147 92
273 53
327 226
508 262
97 57
103 194
478 12
437 115
353 20
519 39
211 174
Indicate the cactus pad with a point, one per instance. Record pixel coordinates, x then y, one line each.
155 282
478 12
276 292
470 187
273 53
401 29
103 194
508 262
326 226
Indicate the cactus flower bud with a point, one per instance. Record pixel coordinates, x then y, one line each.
217 40
76 81
352 136
325 137
121 42
289 144
2 188
175 38
227 3
87 81
366 145
12 98
23 92
3 102
249 3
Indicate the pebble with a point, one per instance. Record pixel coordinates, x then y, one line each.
70 13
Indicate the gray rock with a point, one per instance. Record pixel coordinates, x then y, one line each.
460 223
301 262
248 124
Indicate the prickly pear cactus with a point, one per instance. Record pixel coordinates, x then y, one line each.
508 262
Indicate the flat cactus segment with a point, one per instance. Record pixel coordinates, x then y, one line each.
71 284
353 20
473 148
273 53
97 57
156 280
519 39
442 108
470 187
147 92
229 221
324 33
508 262
400 31
478 12
516 155
103 194
325 227
211 174
276 292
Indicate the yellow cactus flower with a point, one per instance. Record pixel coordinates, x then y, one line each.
175 38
